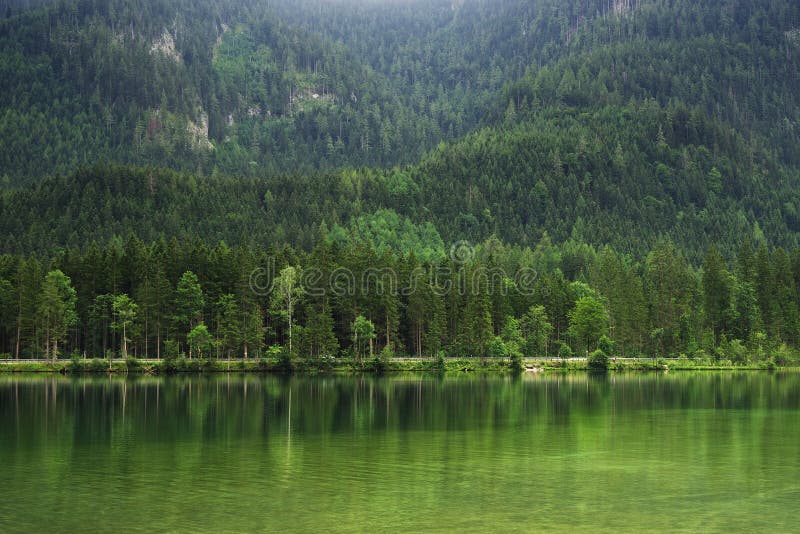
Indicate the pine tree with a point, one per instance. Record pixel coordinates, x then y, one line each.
536 330
28 281
252 329
228 332
154 295
668 285
56 309
319 332
189 303
717 285
478 317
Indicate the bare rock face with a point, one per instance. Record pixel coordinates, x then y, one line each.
166 45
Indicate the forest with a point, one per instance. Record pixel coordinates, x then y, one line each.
162 299
326 178
258 88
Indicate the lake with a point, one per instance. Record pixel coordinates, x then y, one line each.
624 452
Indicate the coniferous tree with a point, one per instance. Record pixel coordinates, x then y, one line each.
56 310
717 285
189 303
536 330
228 333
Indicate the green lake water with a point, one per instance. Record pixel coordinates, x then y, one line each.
632 452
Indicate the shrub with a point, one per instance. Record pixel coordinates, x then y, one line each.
285 362
378 365
782 356
98 366
171 351
132 364
388 352
515 362
326 362
192 366
565 352
736 351
75 364
496 349
439 363
606 345
598 361
169 365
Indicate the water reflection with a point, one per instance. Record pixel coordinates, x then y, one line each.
163 408
407 452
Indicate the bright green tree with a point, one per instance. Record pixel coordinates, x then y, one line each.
363 335
124 314
285 294
199 340
588 321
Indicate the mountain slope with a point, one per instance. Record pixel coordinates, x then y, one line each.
252 87
634 121
194 86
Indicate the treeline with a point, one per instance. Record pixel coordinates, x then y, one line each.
166 299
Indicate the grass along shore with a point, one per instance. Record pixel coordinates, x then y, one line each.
373 365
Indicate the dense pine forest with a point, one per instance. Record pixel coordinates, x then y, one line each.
326 178
352 297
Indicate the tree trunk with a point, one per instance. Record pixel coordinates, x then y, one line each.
419 339
19 333
290 328
47 344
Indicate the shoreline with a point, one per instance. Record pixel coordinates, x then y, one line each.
374 366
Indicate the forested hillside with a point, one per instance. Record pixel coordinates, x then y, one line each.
642 158
195 86
253 87
262 87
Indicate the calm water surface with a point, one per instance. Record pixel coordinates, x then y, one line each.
692 452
